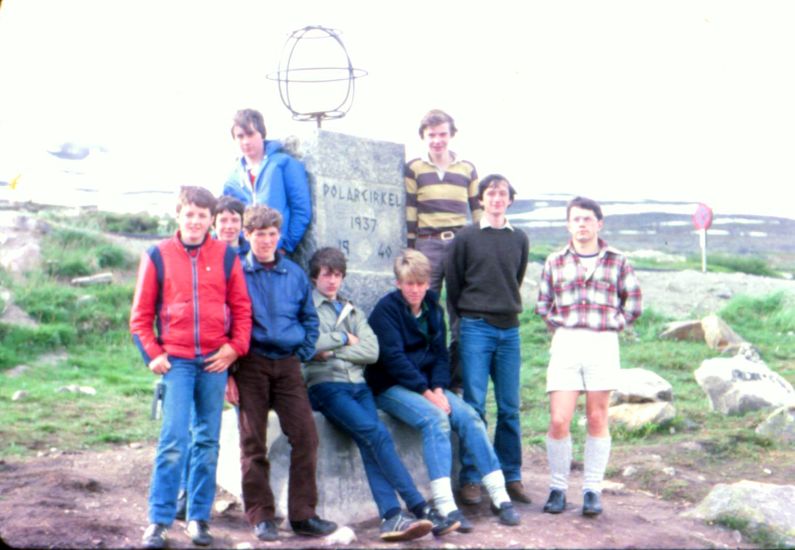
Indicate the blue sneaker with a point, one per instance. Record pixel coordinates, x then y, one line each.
404 526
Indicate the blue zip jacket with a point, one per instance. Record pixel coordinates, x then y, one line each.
406 356
285 320
281 184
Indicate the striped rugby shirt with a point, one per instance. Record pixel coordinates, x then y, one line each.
435 204
607 300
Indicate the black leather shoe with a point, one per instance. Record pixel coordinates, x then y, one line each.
556 502
155 536
313 527
465 526
267 530
182 505
591 503
199 532
508 514
441 524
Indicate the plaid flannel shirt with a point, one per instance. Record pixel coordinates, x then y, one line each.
608 299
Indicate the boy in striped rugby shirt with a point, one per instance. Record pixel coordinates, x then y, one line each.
588 293
440 192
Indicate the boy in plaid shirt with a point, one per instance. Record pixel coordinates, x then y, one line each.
588 293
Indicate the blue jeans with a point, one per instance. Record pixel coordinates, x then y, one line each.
192 404
351 408
413 409
183 482
489 351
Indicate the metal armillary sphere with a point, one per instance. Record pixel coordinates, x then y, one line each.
316 77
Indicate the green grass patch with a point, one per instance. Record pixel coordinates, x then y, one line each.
757 533
70 253
113 222
753 265
45 418
717 263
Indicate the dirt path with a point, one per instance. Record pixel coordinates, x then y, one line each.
98 500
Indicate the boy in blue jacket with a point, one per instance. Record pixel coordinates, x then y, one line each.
411 380
266 174
283 334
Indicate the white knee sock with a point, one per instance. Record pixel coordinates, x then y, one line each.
597 453
559 458
495 485
442 494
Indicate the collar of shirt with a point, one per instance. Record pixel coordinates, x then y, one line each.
602 247
484 223
453 159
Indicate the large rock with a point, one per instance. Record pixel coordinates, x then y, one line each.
736 385
636 415
780 425
19 247
642 397
683 330
343 493
641 386
768 509
718 335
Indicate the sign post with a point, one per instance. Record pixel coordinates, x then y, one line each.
702 220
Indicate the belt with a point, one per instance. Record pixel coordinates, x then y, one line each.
443 236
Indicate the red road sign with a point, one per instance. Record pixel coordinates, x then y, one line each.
702 218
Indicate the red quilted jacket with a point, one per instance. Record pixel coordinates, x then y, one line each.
190 304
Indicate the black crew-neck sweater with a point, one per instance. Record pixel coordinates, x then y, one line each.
484 272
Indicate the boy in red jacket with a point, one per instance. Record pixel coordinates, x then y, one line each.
191 319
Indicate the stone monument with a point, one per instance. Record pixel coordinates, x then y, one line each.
358 206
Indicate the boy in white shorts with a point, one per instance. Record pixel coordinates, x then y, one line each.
588 293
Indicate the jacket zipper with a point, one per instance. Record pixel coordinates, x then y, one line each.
195 269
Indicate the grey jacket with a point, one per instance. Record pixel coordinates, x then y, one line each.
348 362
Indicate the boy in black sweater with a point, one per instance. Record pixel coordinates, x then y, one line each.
484 272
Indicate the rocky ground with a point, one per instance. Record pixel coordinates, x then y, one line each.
98 500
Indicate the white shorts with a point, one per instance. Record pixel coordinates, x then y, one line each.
583 360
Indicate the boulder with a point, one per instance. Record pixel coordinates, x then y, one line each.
641 386
766 508
19 247
780 425
14 315
683 330
105 278
736 385
744 349
5 299
717 334
636 415
343 492
19 370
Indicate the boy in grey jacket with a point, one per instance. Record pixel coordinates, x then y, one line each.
336 386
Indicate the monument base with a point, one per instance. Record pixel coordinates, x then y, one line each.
343 493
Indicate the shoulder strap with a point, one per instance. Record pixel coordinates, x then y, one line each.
157 260
229 261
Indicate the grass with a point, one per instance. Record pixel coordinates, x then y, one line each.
73 253
716 263
90 324
85 328
756 533
110 222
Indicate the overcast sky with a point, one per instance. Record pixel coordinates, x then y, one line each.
686 100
